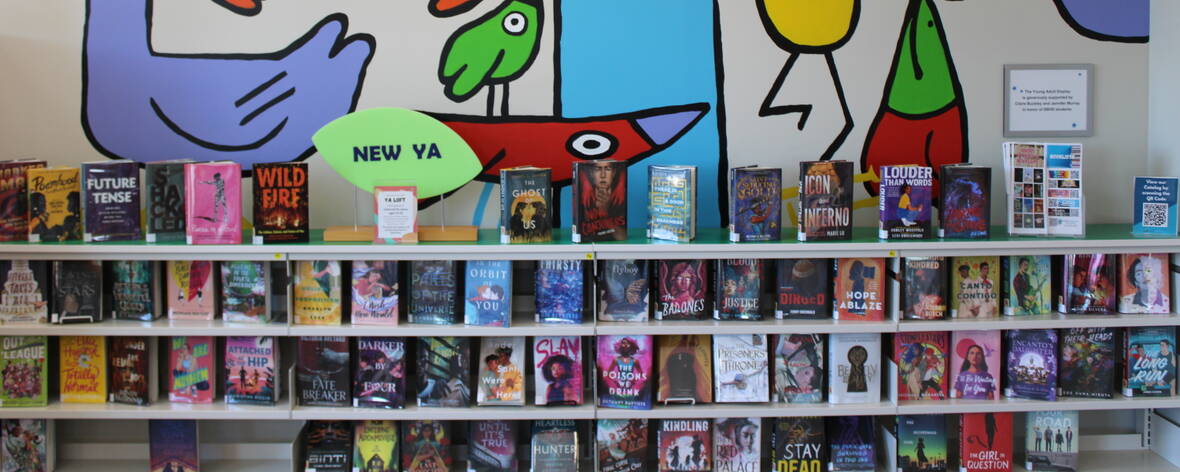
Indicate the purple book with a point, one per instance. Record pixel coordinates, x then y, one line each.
1032 364
379 376
112 201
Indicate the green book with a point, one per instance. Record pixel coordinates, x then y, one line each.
24 370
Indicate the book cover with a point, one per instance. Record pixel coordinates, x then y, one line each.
623 290
213 203
129 369
26 445
965 192
1050 441
317 288
1032 364
251 370
321 371
685 368
799 367
164 204
380 372
112 204
444 371
243 291
561 291
426 446
855 373
135 290
672 203
1089 284
755 204
1026 198
860 289
526 213
488 293
375 293
975 288
921 443
280 202
825 201
739 289
55 204
621 445
853 448
905 202
1154 207
1027 285
1151 362
375 446
924 294
190 290
975 365
741 368
173 446
501 373
554 446
1089 362
600 201
682 287
804 289
624 370
557 370
77 291
83 369
329 446
921 360
26 291
737 444
492 447
433 287
1145 284
685 445
799 443
985 442
14 199
191 369
24 368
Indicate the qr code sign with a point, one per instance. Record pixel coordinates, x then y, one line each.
1155 215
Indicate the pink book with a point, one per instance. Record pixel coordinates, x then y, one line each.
190 290
213 203
975 365
191 369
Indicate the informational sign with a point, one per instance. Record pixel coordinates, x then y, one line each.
395 211
1048 100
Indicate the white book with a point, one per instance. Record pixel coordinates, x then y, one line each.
741 368
855 372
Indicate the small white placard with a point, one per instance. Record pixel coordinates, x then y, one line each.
1048 100
397 212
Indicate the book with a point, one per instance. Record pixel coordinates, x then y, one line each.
243 291
316 299
600 201
26 291
395 210
251 370
1032 364
1088 282
14 199
426 446
1154 206
55 204
985 442
623 290
685 445
975 365
173 446
27 445
191 369
755 203
1024 165
905 201
131 367
433 287
737 444
281 200
1151 362
855 373
859 289
852 446
111 191
488 293
375 293
924 294
492 447
799 367
135 290
1145 283
444 371
501 373
164 204
213 203
741 368
322 371
526 211
672 203
921 443
921 360
561 291
739 289
965 193
24 369
375 446
190 292
83 369
975 287
554 446
799 443
77 292
557 370
380 372
825 201
329 446
624 370
1051 441
1089 362
804 289
682 289
621 445
1027 285
685 368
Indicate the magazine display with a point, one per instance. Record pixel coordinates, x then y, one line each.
1044 187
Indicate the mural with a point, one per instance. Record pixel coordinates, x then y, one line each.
241 7
493 50
1125 21
447 8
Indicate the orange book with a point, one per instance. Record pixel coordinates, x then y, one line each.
83 369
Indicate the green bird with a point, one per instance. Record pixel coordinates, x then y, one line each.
494 49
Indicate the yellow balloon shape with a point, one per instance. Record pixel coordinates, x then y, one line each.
812 25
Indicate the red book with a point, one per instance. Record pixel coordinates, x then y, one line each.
191 369
280 203
985 442
860 289
921 360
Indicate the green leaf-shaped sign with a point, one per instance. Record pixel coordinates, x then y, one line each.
383 145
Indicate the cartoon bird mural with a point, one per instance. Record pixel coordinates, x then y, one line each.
494 49
242 7
448 8
1124 21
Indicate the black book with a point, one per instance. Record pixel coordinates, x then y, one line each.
799 444
444 371
1089 362
135 290
825 201
682 289
739 289
321 371
804 289
600 201
526 212
555 446
329 446
434 292
165 200
380 372
924 288
77 291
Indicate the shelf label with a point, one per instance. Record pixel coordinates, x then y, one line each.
589 256
892 253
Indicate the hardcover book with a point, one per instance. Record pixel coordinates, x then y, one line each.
905 199
1032 364
492 447
280 202
488 293
921 443
852 444
130 368
173 445
526 213
501 371
672 203
623 290
975 287
251 370
1089 284
739 289
561 291
804 289
624 370
375 446
26 445
1089 362
557 370
685 445
321 371
213 203
243 291
921 365
799 367
799 443
682 287
55 204
77 291
985 442
164 205
685 368
860 289
600 201
855 373
112 205
924 288
191 369
1151 362
741 368
737 444
24 368
975 365
135 290
426 446
329 446
25 296
825 201
444 371
1145 284
755 203
317 289
433 287
14 199
554 446
190 292
1051 441
1027 285
83 374
380 372
621 445
1154 209
375 293
965 192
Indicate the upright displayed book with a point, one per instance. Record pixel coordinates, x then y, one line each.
380 372
825 201
621 445
554 446
1154 208
316 299
1032 364
526 213
112 204
1151 362
77 292
501 371
906 197
329 446
131 366
853 448
190 294
1089 360
799 367
173 445
1088 284
685 445
426 446
375 446
557 370
623 290
433 292
83 369
26 445
561 291
975 365
965 193
191 369
1046 443
213 203
921 360
488 293
975 287
1027 285
55 204
739 289
600 201
321 371
859 289
375 293
1145 284
24 369
921 443
685 368
804 289
682 289
755 203
444 371
741 368
280 202
251 370
135 290
164 201
854 374
243 291
924 294
492 447
985 442
624 371
672 203
798 443
737 444
26 291
14 199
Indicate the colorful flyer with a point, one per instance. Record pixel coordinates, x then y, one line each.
395 211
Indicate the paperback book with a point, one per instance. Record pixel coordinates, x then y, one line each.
252 370
682 287
316 300
164 205
375 446
853 448
1089 362
329 446
600 201
1151 362
975 365
624 370
621 445
526 213
213 203
1027 285
799 367
985 442
672 203
501 371
191 369
24 369
14 199
825 201
83 369
906 195
737 444
321 371
924 288
623 290
243 291
112 204
1145 284
561 291
426 446
26 291
921 443
685 445
1154 208
804 289
375 293
380 372
860 289
557 370
492 447
965 193
135 290
739 289
921 360
173 445
1032 364
685 368
280 202
1050 441
26 445
433 287
755 203
190 292
975 287
444 371
799 443
554 446
488 293
55 204
130 368
77 291
1088 284
741 368
855 373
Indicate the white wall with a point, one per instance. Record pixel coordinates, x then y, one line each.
1164 89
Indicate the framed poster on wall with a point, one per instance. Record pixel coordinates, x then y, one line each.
1047 100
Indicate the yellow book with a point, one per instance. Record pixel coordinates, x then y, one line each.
83 369
55 204
317 293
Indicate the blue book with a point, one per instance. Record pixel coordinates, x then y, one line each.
488 293
851 440
1155 206
1032 364
622 290
755 204
561 291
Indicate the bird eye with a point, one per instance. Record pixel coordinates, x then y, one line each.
515 23
591 144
